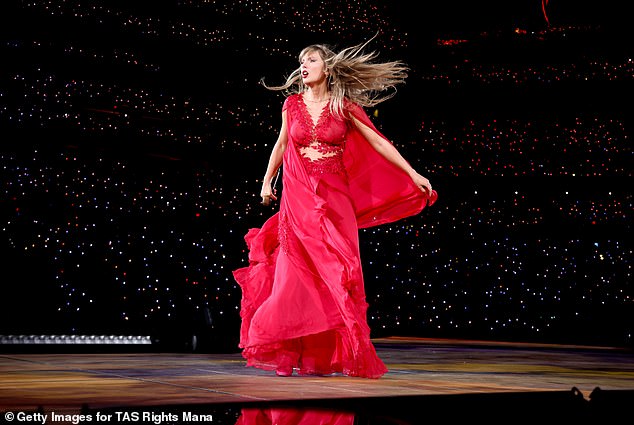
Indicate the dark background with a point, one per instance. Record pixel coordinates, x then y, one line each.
134 135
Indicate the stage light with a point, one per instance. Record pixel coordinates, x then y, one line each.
76 339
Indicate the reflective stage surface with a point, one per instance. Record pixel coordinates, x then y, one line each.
427 380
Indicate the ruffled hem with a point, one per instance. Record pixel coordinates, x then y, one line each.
320 354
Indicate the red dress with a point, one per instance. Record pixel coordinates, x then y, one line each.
303 299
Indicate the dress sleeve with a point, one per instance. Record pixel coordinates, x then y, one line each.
287 103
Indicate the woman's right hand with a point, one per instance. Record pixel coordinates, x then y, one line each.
267 194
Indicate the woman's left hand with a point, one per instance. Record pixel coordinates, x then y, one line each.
422 183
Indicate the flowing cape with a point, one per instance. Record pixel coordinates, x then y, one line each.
381 191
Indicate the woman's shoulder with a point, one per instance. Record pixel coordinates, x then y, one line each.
291 99
351 106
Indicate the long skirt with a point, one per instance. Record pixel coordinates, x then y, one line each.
303 305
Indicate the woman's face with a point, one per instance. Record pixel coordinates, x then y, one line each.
312 68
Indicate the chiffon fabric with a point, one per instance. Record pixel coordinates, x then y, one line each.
303 304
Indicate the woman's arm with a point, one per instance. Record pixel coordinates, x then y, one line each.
389 152
275 161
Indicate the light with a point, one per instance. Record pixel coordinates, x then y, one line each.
75 339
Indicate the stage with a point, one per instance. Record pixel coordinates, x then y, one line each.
427 378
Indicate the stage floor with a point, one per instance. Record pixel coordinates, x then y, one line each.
426 377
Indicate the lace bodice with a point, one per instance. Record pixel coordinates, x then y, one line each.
320 144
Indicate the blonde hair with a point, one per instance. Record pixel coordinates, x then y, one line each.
352 75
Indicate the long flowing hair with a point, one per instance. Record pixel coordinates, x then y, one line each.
352 74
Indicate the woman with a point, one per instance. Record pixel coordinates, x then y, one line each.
303 298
